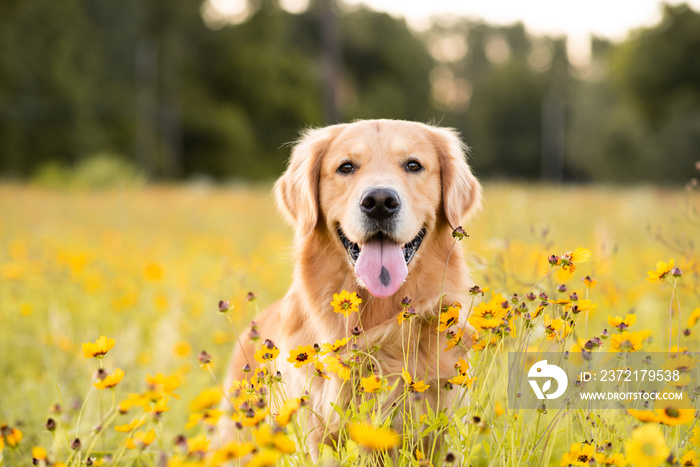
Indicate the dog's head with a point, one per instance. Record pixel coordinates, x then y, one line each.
381 188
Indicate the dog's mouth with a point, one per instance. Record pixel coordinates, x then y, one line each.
380 263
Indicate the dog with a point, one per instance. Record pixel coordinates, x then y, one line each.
373 205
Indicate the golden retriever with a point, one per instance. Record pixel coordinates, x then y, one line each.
373 204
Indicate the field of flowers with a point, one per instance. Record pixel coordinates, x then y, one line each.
114 343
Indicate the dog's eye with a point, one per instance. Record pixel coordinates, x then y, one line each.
346 168
413 166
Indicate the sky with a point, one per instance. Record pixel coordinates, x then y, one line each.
575 18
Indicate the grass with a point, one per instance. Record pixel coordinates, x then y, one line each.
148 267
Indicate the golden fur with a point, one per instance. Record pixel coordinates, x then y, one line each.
316 200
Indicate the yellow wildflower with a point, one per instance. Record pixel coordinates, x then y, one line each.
346 302
327 348
206 399
99 348
267 352
265 436
662 270
371 383
417 386
231 451
581 454
689 459
449 317
301 356
375 439
337 365
620 323
141 440
110 381
646 447
135 423
693 318
291 406
627 341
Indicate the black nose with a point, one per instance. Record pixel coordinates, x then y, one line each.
380 203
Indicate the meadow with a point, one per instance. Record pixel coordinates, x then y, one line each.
148 267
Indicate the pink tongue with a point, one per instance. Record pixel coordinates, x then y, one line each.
381 267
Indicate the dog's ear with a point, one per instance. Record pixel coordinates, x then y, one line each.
461 191
296 190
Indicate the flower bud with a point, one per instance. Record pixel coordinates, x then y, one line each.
224 306
50 424
204 358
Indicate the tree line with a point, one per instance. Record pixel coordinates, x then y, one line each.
176 94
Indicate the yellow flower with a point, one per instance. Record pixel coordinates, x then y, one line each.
417 386
406 314
556 328
290 408
498 409
579 255
182 349
198 444
141 439
462 380
690 459
615 459
337 365
327 348
371 383
253 418
588 282
301 355
99 348
320 371
206 399
662 270
620 323
133 400
627 341
376 439
683 363
674 412
580 454
208 417
153 272
346 302
646 447
489 315
110 380
135 423
161 385
267 352
695 439
39 453
232 451
644 415
454 339
265 436
10 436
693 318
264 458
449 317
582 305
159 407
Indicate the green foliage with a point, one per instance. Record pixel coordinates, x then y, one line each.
151 81
96 172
